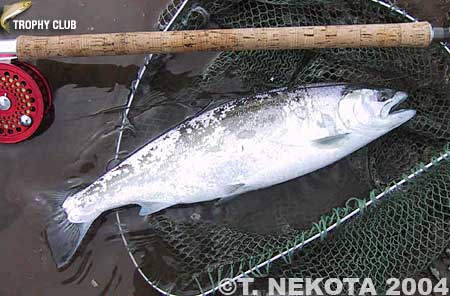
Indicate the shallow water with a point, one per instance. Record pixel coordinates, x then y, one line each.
76 149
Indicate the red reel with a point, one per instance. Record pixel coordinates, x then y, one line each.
25 99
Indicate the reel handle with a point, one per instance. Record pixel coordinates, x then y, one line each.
419 34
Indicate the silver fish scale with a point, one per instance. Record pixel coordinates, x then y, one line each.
240 146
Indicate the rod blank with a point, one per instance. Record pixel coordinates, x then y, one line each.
418 34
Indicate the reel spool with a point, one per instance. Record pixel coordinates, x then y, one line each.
25 100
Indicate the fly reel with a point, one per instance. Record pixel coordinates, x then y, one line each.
25 100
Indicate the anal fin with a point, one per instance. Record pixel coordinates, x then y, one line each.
231 191
152 207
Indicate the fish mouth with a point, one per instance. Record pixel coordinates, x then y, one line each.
390 106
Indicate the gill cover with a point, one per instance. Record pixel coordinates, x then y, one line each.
371 111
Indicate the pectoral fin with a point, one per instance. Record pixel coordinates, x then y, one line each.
232 188
331 140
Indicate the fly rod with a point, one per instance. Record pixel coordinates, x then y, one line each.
419 34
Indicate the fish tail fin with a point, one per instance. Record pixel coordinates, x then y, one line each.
5 25
63 236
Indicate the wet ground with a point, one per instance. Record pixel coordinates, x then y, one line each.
76 149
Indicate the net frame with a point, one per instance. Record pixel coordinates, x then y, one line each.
320 229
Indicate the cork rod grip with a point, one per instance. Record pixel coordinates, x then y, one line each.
348 36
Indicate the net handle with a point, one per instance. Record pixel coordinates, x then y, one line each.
419 34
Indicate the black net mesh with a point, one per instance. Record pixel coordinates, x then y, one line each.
189 249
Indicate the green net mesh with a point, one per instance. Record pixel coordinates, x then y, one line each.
189 249
414 230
